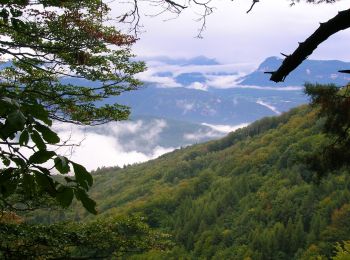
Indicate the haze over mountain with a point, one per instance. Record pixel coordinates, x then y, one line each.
249 195
215 94
312 71
186 101
137 140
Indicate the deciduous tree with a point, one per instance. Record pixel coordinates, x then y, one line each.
62 60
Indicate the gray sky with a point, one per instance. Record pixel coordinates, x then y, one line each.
233 36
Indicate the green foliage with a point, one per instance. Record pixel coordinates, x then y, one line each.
107 239
342 252
53 48
28 176
334 107
251 197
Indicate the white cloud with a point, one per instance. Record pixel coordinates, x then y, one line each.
223 81
185 105
226 128
269 106
153 132
114 144
214 132
155 66
148 76
289 88
201 135
199 86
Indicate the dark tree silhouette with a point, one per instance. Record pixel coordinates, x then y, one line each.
340 22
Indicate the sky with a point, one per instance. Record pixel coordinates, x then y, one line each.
238 40
233 36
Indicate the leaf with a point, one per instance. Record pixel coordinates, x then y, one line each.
28 184
19 162
38 111
15 12
24 138
17 23
65 196
8 182
49 136
5 161
61 164
4 14
82 176
43 170
16 120
41 156
38 140
45 182
68 180
88 204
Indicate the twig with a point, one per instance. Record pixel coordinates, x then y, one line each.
339 22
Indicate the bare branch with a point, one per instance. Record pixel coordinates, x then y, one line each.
340 22
251 7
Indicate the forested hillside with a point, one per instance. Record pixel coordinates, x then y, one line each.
249 195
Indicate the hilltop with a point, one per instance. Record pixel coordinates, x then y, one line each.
246 196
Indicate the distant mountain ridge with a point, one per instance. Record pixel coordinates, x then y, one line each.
208 92
248 195
198 60
313 71
229 106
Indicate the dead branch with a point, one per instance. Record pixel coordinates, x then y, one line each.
251 7
339 22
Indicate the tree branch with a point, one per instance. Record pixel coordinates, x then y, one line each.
340 22
253 3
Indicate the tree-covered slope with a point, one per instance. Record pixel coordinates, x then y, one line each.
246 196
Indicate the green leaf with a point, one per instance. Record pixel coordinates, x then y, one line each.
16 120
48 135
41 156
43 170
61 164
15 12
17 23
4 14
8 182
24 138
19 162
45 182
38 112
65 196
68 180
6 161
88 204
28 184
82 176
38 140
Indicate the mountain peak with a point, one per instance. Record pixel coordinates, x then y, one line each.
270 62
312 71
201 60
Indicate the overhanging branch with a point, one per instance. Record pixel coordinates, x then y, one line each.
339 22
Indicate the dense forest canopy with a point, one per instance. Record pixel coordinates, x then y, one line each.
250 195
48 41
